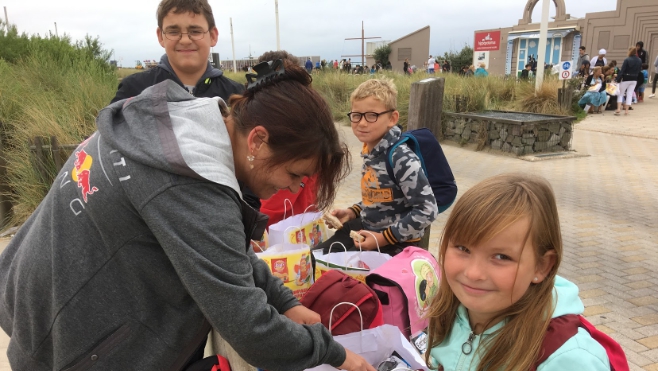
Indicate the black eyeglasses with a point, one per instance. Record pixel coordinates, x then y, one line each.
175 35
355 117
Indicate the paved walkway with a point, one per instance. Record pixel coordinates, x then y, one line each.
608 205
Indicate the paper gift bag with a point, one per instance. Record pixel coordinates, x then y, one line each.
376 345
612 88
292 264
356 264
307 228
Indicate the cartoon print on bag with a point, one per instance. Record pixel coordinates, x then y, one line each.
303 270
280 269
426 283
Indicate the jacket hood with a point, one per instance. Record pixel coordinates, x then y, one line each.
168 129
210 70
565 298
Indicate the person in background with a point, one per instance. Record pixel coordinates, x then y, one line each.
470 71
183 25
613 64
641 53
655 78
481 71
595 96
627 80
186 25
599 60
584 73
430 65
525 74
309 66
582 56
406 66
446 66
645 80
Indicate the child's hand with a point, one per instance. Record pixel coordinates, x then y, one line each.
344 215
372 241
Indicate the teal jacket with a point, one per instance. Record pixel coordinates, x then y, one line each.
481 72
581 352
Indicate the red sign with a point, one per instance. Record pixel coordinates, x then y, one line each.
485 41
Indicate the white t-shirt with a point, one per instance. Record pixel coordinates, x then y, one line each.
430 63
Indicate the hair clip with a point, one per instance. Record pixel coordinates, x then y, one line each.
265 71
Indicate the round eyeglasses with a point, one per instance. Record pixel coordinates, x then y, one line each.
175 35
355 117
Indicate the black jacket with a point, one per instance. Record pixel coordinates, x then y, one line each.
213 83
630 69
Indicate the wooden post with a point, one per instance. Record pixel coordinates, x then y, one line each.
56 153
426 105
425 108
40 158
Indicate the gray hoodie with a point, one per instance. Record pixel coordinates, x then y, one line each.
141 245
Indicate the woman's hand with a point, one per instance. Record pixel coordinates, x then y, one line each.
302 315
354 362
372 240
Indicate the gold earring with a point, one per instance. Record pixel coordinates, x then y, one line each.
250 158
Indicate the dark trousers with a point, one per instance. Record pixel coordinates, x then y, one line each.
655 78
343 236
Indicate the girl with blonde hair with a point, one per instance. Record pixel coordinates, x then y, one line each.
499 256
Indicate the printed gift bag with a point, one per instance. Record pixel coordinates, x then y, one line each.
377 344
356 264
292 264
307 228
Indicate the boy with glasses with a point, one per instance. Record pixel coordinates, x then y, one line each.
186 30
393 213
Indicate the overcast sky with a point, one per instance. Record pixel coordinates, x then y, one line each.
307 27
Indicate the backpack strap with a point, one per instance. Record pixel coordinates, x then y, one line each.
413 145
560 329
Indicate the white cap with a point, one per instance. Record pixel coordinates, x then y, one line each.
602 51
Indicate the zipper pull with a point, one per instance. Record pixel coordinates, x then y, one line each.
467 347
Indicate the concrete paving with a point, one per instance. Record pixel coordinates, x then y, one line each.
608 205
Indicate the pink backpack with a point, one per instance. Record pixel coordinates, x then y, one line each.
405 284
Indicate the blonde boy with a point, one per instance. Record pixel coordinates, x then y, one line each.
392 214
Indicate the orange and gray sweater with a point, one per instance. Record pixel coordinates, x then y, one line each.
399 210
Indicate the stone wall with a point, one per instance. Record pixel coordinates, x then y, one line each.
519 138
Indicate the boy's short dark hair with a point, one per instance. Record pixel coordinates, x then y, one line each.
582 48
645 66
528 65
184 6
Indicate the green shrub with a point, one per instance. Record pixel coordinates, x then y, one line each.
48 87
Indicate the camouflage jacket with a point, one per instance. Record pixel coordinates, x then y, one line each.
401 212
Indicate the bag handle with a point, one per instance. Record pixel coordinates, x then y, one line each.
285 208
301 221
373 236
331 314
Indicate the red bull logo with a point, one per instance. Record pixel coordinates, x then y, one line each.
81 173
